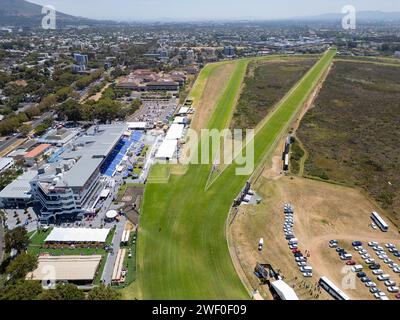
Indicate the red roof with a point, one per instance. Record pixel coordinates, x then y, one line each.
37 151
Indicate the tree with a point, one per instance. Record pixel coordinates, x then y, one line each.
22 290
103 293
25 129
16 239
70 292
21 265
72 110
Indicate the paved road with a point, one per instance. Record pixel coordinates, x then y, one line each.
111 258
1 240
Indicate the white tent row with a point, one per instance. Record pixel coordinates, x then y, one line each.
77 235
183 111
137 125
167 150
175 132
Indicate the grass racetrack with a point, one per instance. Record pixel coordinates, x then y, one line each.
182 248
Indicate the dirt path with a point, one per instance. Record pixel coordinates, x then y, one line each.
214 88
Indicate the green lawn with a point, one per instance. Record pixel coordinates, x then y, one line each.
182 249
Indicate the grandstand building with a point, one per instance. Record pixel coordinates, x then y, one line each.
62 190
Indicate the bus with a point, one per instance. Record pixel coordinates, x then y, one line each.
379 221
334 291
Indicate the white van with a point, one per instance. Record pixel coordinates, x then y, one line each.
346 256
357 268
293 241
383 277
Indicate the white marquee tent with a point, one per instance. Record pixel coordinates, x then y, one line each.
77 235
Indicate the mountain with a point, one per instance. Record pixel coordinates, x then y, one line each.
24 13
364 16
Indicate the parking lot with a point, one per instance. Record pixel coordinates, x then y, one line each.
374 267
322 212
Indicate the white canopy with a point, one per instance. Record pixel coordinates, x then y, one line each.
284 291
175 132
183 110
77 235
105 193
137 125
112 214
167 150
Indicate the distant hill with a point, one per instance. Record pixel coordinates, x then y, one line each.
372 16
24 13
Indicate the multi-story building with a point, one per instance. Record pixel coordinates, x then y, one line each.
81 59
63 190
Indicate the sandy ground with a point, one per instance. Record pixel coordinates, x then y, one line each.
214 88
322 212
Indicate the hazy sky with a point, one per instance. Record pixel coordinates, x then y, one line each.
210 9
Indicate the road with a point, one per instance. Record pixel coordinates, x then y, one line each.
109 267
1 239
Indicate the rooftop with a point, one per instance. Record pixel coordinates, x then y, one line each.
20 187
38 150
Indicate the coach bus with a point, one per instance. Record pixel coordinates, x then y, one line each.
379 221
334 291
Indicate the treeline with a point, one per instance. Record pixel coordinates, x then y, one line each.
105 110
85 81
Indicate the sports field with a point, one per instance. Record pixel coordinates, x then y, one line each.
182 249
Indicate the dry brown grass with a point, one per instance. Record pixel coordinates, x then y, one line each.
322 212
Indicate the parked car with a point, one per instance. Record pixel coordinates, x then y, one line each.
357 268
397 296
372 244
390 283
373 290
396 270
389 245
377 272
333 245
365 279
383 277
387 261
361 275
366 256
357 243
393 289
351 263
301 259
379 294
346 256
370 284
307 274
375 266
369 261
